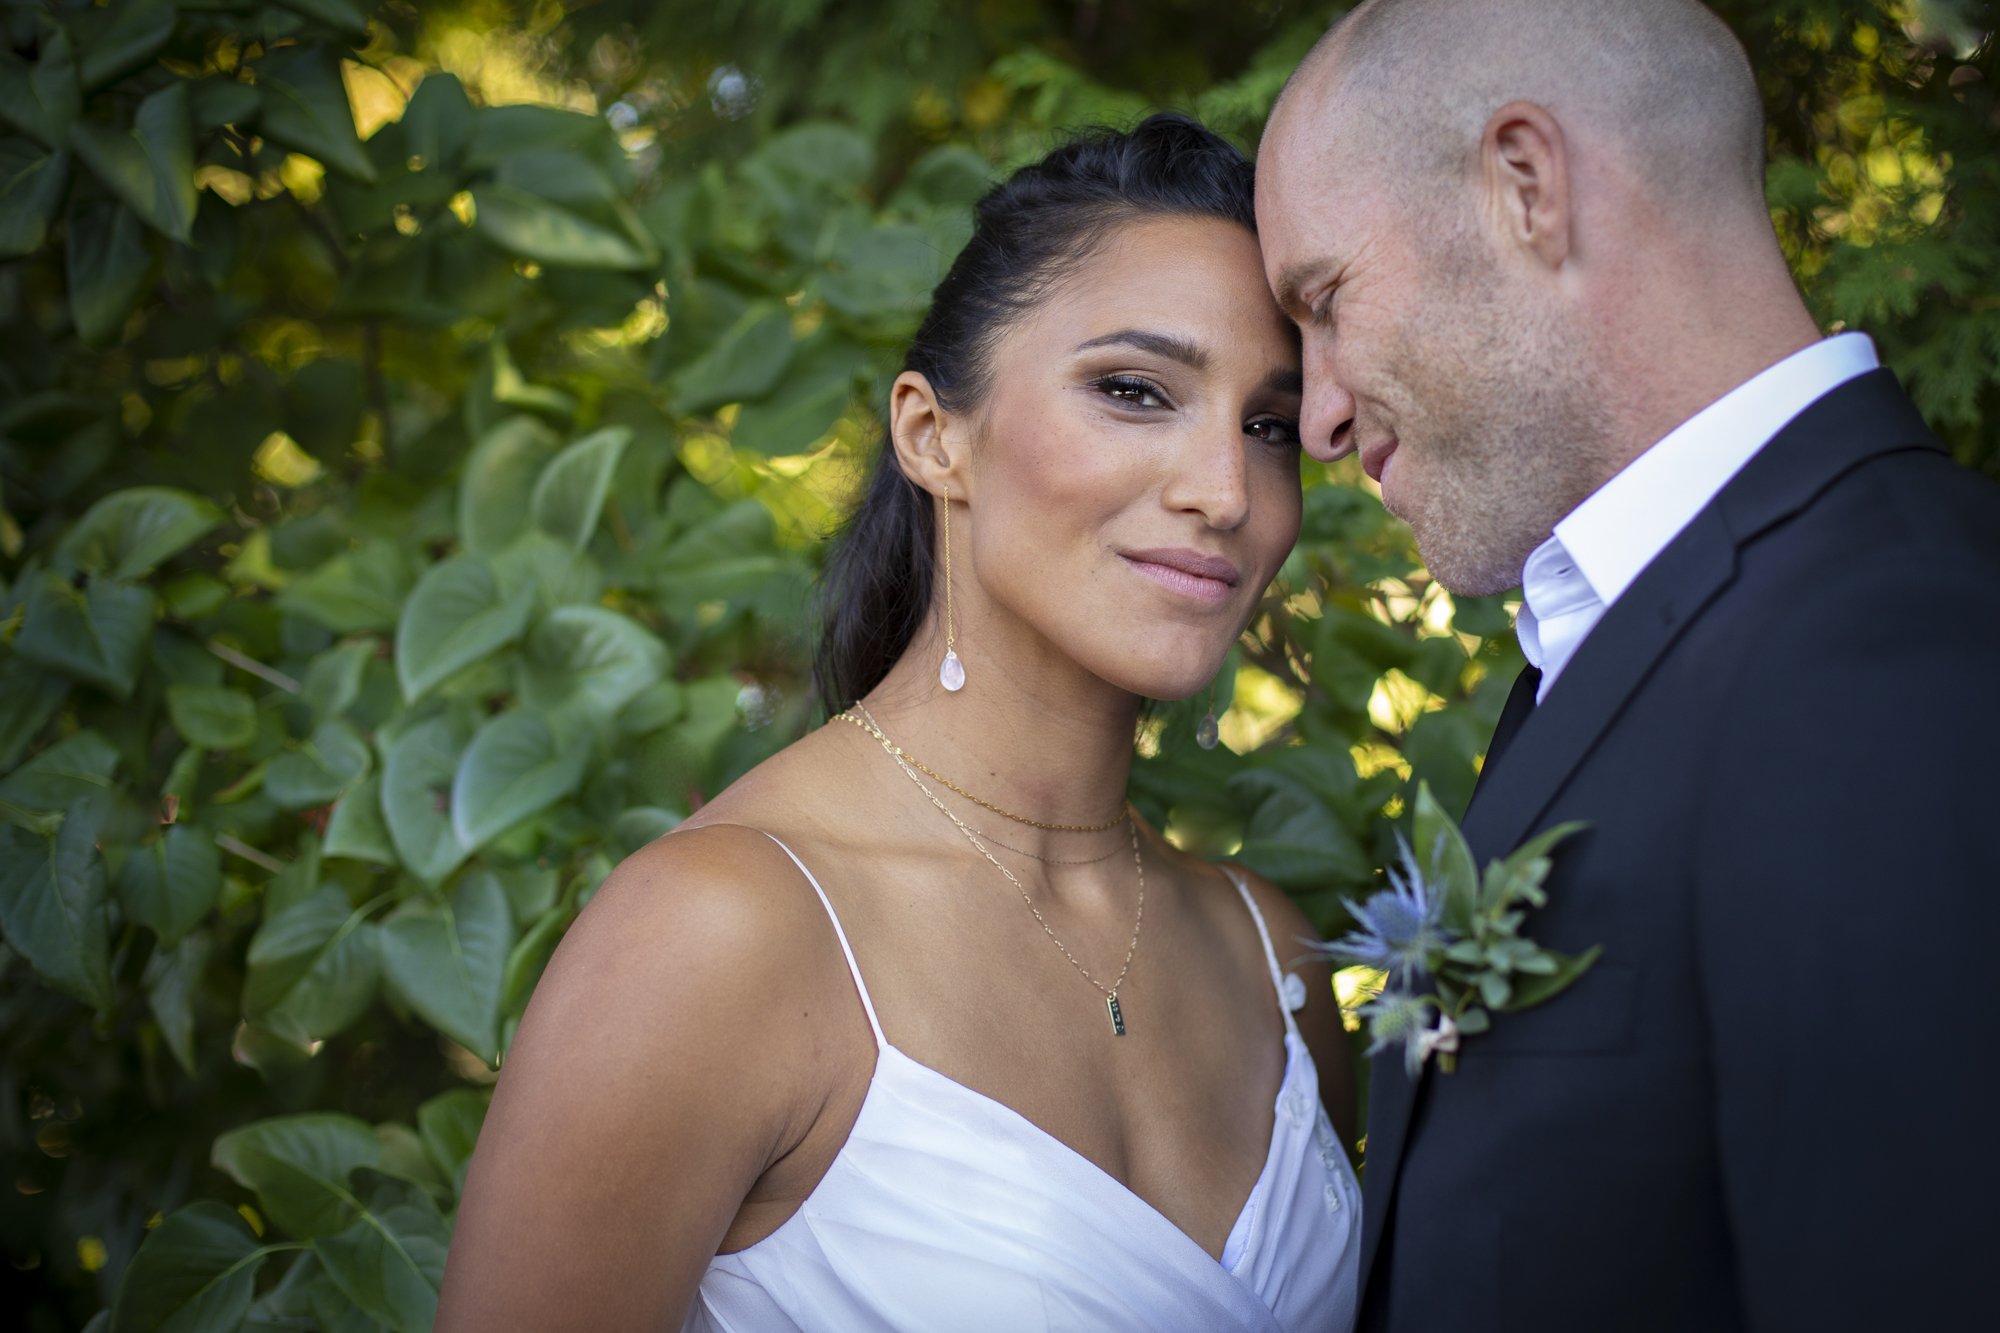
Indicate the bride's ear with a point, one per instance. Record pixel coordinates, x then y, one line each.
927 453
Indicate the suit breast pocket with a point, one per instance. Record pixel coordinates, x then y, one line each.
1597 1015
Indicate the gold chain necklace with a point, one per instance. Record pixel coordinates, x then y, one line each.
1048 860
1110 993
900 753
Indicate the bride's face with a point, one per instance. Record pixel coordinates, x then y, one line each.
1134 470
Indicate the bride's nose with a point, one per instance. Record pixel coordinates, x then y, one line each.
1210 477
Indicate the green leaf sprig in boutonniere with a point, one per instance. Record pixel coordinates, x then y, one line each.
1449 941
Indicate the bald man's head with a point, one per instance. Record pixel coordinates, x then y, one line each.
1408 85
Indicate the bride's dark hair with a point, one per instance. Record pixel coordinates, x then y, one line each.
1030 232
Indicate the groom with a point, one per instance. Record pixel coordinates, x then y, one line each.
1527 244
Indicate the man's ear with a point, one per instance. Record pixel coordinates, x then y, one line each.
1524 169
925 452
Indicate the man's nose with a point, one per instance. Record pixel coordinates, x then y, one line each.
1326 421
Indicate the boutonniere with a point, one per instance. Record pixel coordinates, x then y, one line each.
1448 940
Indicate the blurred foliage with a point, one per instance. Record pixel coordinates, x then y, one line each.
416 431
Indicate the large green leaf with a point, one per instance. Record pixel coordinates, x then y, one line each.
129 533
71 769
42 98
135 34
1444 860
495 492
447 962
305 108
449 1124
744 363
353 593
417 774
52 903
816 390
586 662
96 634
106 263
548 233
196 1271
1307 803
438 122
458 614
884 274
314 967
819 154
31 190
213 717
390 1260
29 697
298 1167
514 767
570 493
151 166
343 16
170 884
356 828
172 978
330 762
333 681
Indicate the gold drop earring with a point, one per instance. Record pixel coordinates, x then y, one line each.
951 671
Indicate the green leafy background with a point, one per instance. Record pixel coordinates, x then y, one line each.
418 426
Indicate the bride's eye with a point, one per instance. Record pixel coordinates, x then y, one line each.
1274 430
1131 390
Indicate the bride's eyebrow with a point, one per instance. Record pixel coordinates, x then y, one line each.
1170 345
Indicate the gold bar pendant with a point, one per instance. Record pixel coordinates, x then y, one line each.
1117 1014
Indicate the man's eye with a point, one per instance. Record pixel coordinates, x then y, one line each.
1131 390
1275 430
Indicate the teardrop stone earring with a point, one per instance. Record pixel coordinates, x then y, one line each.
951 671
1207 731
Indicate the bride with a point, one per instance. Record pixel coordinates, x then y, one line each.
917 1025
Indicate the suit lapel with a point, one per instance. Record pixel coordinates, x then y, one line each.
1861 419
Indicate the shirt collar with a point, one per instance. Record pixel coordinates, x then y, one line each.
1619 530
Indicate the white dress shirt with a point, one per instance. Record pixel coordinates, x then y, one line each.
1609 539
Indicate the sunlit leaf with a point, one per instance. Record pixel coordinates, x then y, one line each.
305 108
534 228
356 828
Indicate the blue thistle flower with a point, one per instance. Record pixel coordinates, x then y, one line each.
1398 927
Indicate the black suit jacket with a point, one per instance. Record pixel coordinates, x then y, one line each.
1769 1105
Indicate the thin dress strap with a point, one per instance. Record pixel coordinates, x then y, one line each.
854 968
1278 977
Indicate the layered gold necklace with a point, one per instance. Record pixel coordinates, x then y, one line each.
910 765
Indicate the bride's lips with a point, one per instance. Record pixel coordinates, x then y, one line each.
1375 457
1206 578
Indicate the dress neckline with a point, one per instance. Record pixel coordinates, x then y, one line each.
889 1055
